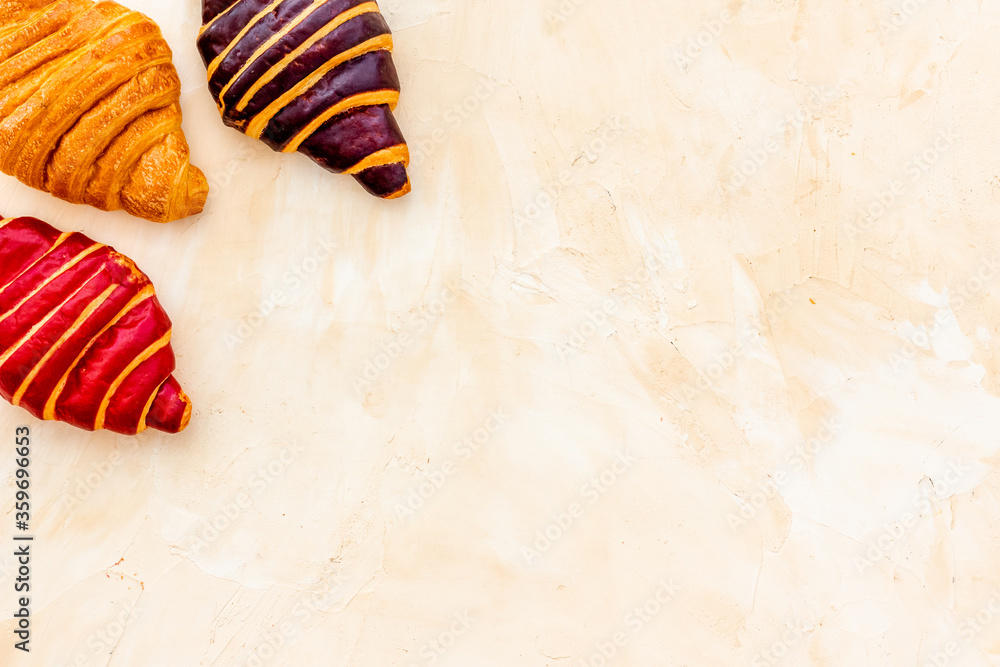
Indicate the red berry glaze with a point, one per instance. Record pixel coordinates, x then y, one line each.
83 338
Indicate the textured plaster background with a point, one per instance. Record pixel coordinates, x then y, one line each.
682 352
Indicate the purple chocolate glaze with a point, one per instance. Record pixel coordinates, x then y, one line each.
289 11
217 37
383 181
351 137
212 8
354 32
372 71
344 140
242 50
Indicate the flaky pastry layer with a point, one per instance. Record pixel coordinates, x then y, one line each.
89 109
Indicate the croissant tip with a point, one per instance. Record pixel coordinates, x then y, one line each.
385 181
192 201
197 189
405 190
187 201
186 417
171 410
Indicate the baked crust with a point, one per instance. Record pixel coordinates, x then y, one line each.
89 109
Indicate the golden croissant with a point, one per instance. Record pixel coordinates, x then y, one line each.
89 109
314 76
83 338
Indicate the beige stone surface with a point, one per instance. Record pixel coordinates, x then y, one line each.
681 351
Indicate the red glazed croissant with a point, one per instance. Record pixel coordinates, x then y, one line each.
89 109
314 76
83 338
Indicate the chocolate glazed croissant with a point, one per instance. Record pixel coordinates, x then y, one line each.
314 76
83 338
89 109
